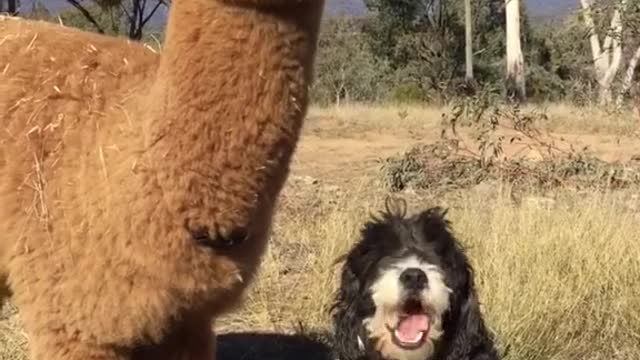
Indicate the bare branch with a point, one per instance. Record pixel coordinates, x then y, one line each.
141 13
150 15
631 70
126 12
596 51
86 14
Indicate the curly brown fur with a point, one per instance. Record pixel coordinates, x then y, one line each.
137 189
265 3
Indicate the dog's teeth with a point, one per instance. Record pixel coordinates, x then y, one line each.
417 338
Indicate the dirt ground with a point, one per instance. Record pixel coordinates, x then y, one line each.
338 153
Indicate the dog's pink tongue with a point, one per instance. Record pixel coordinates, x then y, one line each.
410 329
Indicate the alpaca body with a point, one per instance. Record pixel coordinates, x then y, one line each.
138 188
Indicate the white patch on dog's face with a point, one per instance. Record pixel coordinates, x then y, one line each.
390 298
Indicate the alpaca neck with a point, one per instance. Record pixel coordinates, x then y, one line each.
227 105
222 62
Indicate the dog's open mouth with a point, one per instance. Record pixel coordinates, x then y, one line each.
413 324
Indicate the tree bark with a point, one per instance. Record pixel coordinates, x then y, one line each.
628 78
515 59
608 57
468 42
12 7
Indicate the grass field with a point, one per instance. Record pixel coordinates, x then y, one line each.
558 272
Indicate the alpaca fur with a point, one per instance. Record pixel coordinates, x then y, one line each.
373 298
137 189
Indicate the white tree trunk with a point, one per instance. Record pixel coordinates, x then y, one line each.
468 41
608 57
515 60
628 77
600 60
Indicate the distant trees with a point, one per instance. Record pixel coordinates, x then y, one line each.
128 17
607 55
428 50
347 70
423 42
432 50
612 28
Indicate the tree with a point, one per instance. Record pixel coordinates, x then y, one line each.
632 25
137 18
394 20
12 6
629 75
468 42
515 60
423 41
607 56
39 11
136 13
346 70
105 21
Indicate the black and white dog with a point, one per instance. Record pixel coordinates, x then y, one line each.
407 293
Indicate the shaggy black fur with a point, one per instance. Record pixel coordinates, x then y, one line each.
395 235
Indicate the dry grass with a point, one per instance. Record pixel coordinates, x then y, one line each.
556 283
562 118
559 278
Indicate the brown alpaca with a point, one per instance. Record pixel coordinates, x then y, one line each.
137 190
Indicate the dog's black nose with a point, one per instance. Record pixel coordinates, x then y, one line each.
414 279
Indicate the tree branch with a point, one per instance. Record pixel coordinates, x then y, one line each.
155 8
596 51
141 14
616 58
126 12
86 14
628 78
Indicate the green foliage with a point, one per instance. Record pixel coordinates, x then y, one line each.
407 94
407 51
410 51
461 162
39 11
345 67
129 18
110 19
413 51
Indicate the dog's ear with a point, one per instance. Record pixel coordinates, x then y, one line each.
432 226
345 312
469 339
434 214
